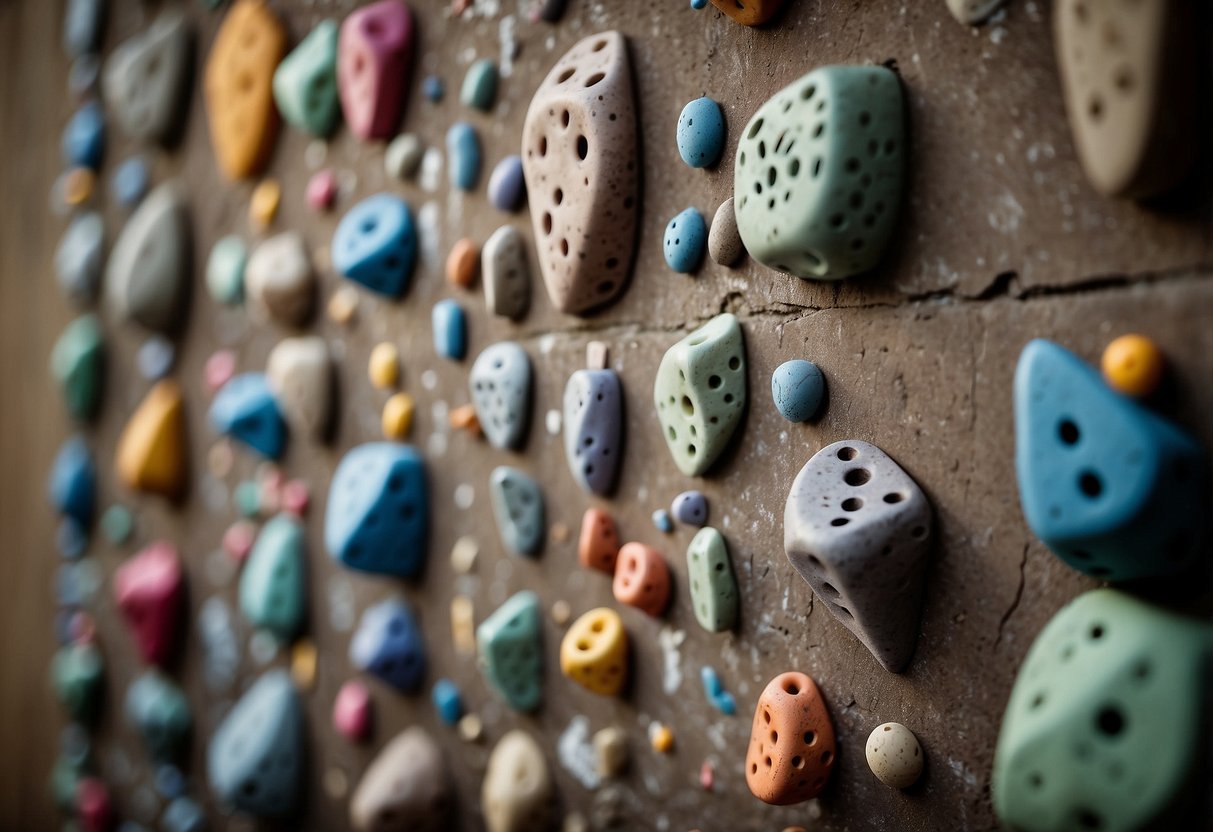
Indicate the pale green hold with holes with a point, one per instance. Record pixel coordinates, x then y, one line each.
819 172
273 585
1103 728
713 587
511 652
700 393
305 83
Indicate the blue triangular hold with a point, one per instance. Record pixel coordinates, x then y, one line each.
388 645
375 244
246 410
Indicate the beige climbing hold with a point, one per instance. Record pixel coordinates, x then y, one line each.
611 751
894 755
279 281
507 274
517 795
405 787
724 240
300 375
972 12
152 452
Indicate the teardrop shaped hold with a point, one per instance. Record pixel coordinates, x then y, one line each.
156 707
749 12
80 258
1100 731
148 273
378 510
83 21
449 324
353 711
376 243
511 651
406 788
225 270
78 365
500 383
152 453
305 83
145 81
819 173
299 372
700 393
73 482
374 57
479 88
83 142
580 149
857 528
255 759
507 274
791 753
518 508
78 674
273 584
1113 489
149 589
507 185
279 281
594 652
642 579
713 587
518 793
593 428
388 645
245 410
238 84
598 545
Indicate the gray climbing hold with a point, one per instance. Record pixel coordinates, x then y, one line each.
300 375
501 393
158 709
273 582
145 79
713 587
278 280
724 241
518 507
80 257
507 274
147 278
403 156
406 788
593 428
82 24
857 529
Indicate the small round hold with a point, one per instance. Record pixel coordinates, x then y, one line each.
384 365
701 133
894 755
690 508
724 240
1133 365
321 190
685 237
433 88
129 182
662 521
506 184
699 4
797 386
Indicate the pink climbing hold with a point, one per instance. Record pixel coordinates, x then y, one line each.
219 369
321 190
295 497
94 810
352 711
81 628
238 540
149 589
373 58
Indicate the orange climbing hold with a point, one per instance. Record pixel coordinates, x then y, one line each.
642 579
792 751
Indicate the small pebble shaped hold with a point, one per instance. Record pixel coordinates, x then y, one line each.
383 369
463 155
507 274
238 86
506 184
594 652
155 357
225 269
463 263
749 12
1133 364
80 257
518 794
83 21
145 81
598 544
858 529
273 583
74 186
157 708
548 11
642 579
321 190
724 240
518 508
700 393
662 521
819 173
479 89
245 409
147 276
376 243
83 75
305 83
500 384
352 711
149 589
448 702
973 12
450 329
78 674
152 454
255 759
83 140
406 788
433 88
397 417
510 647
714 595
798 387
403 156
183 814
690 508
374 57
377 515
699 4
791 752
263 204
714 690
279 281
78 366
701 133
130 181
894 755
117 524
94 805
661 737
593 429
73 482
388 645
299 372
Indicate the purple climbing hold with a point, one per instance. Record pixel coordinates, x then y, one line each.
690 508
593 427
506 185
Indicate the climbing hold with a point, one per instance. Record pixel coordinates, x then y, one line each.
388 644
447 701
594 652
255 758
662 521
819 170
797 386
152 453
518 508
894 755
479 88
273 581
397 418
238 84
685 237
279 281
147 277
700 392
690 508
375 244
511 651
155 357
701 133
406 788
463 155
383 368
299 373
145 82
352 712
1113 489
450 329
549 11
1133 365
642 579
83 21
500 382
246 410
433 89
858 530
661 737
79 258
78 674
507 184
374 57
791 752
507 274
462 264
377 514
610 751
305 83
225 270
73 482
749 12
714 690
593 428
1098 732
183 814
129 183
321 190
582 177
78 365
263 204
117 524
149 589
724 240
973 12
84 137
598 545
699 4
156 707
714 594
518 793
403 156
94 806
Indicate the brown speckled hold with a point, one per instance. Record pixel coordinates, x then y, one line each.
724 241
405 788
749 12
507 275
894 755
792 750
579 157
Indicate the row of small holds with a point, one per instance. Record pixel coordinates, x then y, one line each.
761 12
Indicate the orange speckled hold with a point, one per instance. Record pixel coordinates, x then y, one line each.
1133 365
749 12
598 546
792 749
642 579
463 263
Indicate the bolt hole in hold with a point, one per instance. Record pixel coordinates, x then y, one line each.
564 118
754 129
856 476
1068 431
566 75
1090 484
594 79
797 762
1035 780
558 196
1037 701
810 738
734 363
1089 820
839 521
583 147
894 497
543 145
1097 632
791 689
846 613
714 382
852 504
846 454
826 756
1110 721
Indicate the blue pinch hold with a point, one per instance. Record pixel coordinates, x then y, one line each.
388 645
685 240
715 692
450 329
447 701
83 140
375 244
463 155
798 387
701 133
247 411
433 88
73 482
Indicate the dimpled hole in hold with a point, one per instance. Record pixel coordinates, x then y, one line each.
1090 484
856 476
1110 721
839 521
846 453
1068 432
791 689
583 147
852 504
894 497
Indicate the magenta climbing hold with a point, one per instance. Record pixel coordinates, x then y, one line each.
374 53
149 589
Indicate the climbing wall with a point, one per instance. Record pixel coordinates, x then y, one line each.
1000 240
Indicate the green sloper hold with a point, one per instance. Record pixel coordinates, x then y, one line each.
819 171
1106 726
78 365
78 675
511 654
225 270
713 588
272 586
305 83
479 85
700 393
159 711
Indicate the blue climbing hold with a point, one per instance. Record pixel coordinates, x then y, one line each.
246 410
129 182
447 701
1113 489
463 155
662 521
433 88
511 653
715 692
84 137
701 133
450 329
73 481
183 815
685 239
388 645
699 4
376 243
71 539
690 508
797 386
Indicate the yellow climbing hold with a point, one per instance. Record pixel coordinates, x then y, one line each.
263 206
384 368
594 652
1133 365
152 451
398 416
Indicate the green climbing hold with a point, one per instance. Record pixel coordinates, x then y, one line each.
272 586
78 365
479 88
78 675
713 588
225 270
64 778
700 393
159 711
1102 728
511 654
117 524
305 83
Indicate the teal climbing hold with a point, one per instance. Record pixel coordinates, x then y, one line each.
305 83
73 482
511 651
273 583
157 708
78 675
78 365
479 88
225 270
713 587
518 507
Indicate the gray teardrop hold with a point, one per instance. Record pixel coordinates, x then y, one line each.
80 257
406 787
146 78
593 428
518 507
147 277
500 382
507 274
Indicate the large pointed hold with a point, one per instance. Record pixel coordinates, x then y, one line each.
145 78
152 452
405 788
150 590
374 53
579 156
147 278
